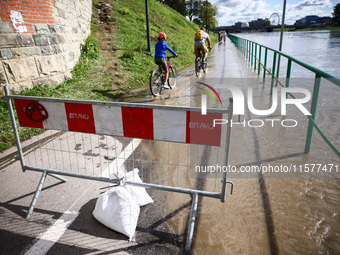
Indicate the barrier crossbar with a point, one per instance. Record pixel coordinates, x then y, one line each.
102 140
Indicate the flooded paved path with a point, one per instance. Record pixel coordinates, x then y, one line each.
267 214
278 213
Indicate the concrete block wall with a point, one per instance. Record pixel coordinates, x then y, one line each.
40 40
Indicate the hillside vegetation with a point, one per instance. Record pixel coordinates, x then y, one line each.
131 38
114 59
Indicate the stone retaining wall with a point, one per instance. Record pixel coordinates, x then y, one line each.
40 40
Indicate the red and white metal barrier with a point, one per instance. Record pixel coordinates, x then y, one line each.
87 138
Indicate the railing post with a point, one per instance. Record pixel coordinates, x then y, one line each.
249 50
259 68
314 105
289 69
265 65
255 56
273 73
252 53
244 47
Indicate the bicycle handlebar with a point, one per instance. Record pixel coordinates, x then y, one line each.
168 57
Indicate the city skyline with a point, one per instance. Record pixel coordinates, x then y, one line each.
232 11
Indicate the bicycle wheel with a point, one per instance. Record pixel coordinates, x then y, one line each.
198 66
156 82
204 66
172 76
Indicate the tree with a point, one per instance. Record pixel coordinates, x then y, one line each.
203 19
336 15
194 8
178 5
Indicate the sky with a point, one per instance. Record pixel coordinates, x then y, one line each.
232 11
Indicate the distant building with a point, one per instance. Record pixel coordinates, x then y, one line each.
323 20
313 19
238 24
252 24
257 23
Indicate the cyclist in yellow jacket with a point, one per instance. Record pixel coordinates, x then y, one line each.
200 45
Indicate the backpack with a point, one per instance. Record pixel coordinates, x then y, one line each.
199 35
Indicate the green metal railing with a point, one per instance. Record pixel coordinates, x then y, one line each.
253 52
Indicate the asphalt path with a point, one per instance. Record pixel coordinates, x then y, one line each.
62 221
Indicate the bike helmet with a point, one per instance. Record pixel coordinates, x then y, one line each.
161 35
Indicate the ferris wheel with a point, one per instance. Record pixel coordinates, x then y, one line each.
274 19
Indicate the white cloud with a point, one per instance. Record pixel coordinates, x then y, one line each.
307 7
226 3
246 11
232 11
307 4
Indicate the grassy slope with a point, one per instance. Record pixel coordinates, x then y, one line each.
114 58
132 40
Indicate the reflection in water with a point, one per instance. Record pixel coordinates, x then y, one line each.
334 34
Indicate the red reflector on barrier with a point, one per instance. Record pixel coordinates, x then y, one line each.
30 113
137 122
200 129
80 117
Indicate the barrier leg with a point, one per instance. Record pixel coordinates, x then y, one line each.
58 177
36 195
192 222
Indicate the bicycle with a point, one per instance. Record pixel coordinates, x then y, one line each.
200 65
157 78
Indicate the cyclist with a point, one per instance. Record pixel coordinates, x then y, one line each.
200 37
160 56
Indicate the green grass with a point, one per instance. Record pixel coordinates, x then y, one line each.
132 38
6 132
79 87
114 58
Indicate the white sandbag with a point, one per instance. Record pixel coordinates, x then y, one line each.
138 193
118 210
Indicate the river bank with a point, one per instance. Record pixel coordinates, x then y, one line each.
326 28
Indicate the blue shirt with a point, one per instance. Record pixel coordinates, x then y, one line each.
160 49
